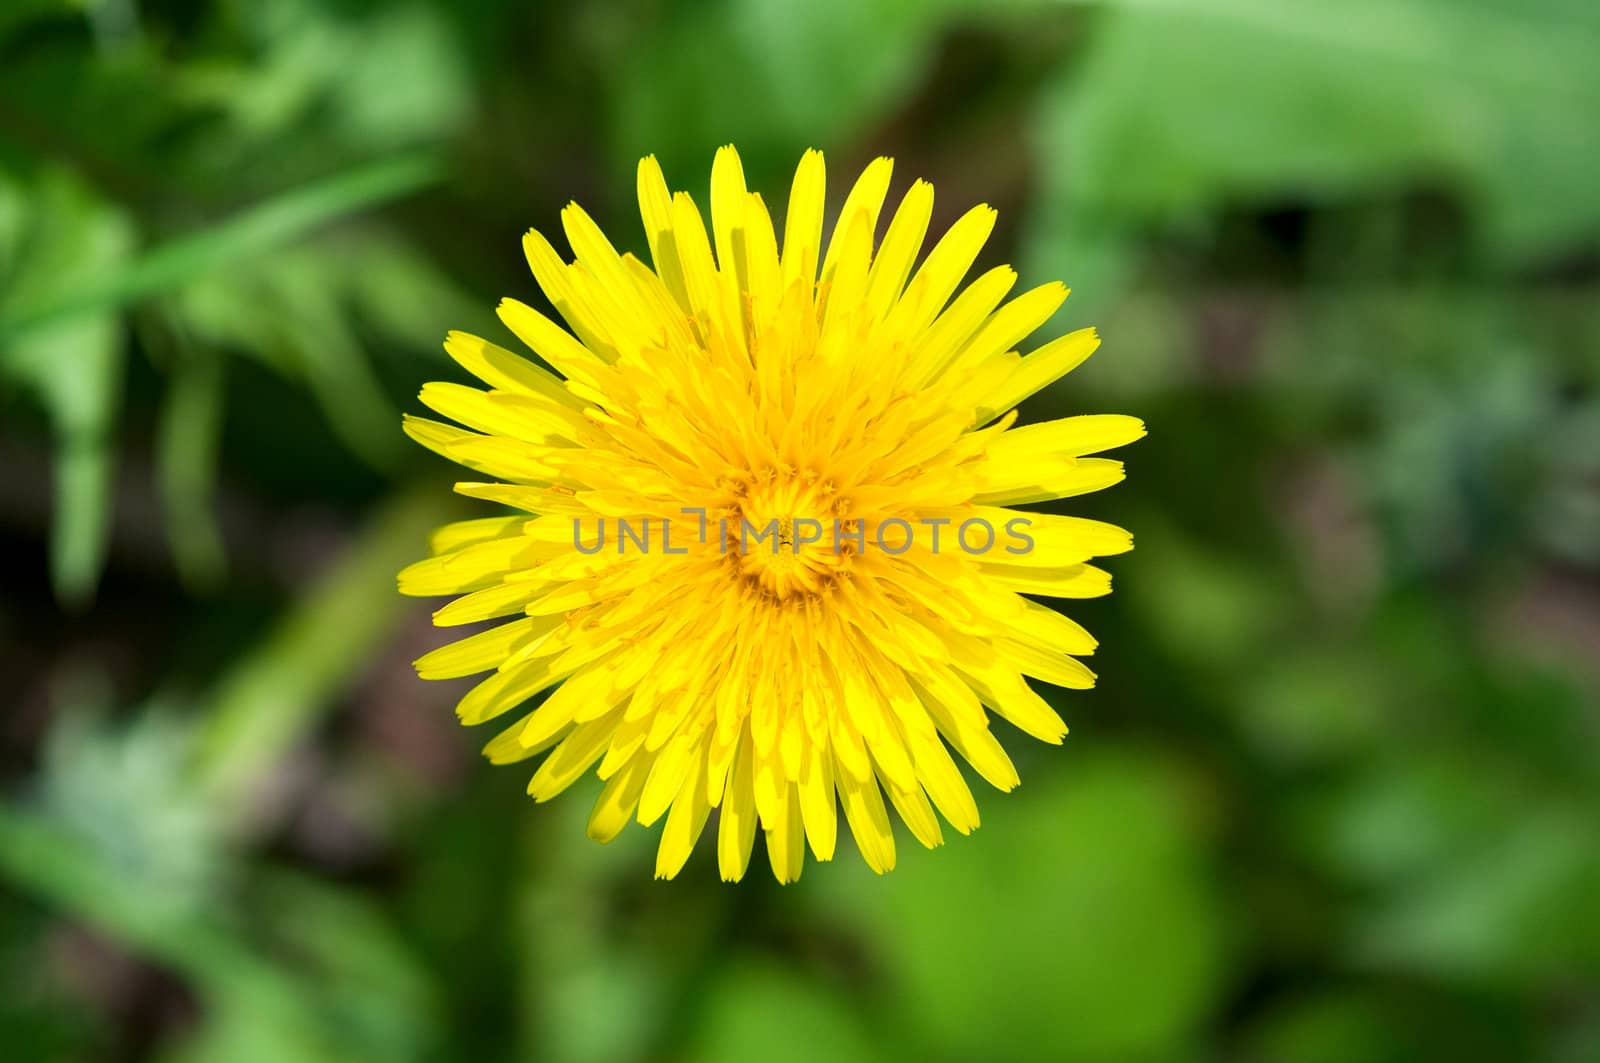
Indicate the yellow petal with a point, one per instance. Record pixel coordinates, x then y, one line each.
1036 371
944 784
685 822
1006 483
818 807
902 241
942 271
500 368
576 754
549 341
461 533
957 324
1069 437
786 838
738 829
869 822
484 650
728 209
655 207
864 202
671 767
614 807
1074 581
802 229
467 569
912 804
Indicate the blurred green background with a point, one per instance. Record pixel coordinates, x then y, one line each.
1329 799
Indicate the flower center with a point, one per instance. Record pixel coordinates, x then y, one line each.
785 539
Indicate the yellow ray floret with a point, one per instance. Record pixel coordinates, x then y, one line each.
762 558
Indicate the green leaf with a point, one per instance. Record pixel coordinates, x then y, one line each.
120 787
62 234
1373 1022
778 1015
337 68
785 77
187 439
267 701
300 310
371 988
1206 607
19 12
251 232
39 855
1179 108
1471 873
257 1008
313 324
1078 917
1315 704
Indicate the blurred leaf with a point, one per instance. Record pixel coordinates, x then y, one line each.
404 295
189 433
249 233
69 269
777 1015
257 1009
40 856
1476 871
1569 508
81 530
786 76
774 52
587 955
1179 108
339 67
1385 1024
19 12
298 309
121 837
370 986
43 857
1213 610
1335 1029
1318 703
268 700
1077 918
1527 905
61 235
123 791
312 324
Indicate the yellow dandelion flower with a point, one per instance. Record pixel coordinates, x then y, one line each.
764 558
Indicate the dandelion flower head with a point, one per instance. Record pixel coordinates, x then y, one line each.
760 553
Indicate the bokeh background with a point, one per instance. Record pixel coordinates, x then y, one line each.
1336 796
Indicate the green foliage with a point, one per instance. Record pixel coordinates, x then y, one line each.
71 262
59 234
1050 919
1333 798
1181 106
